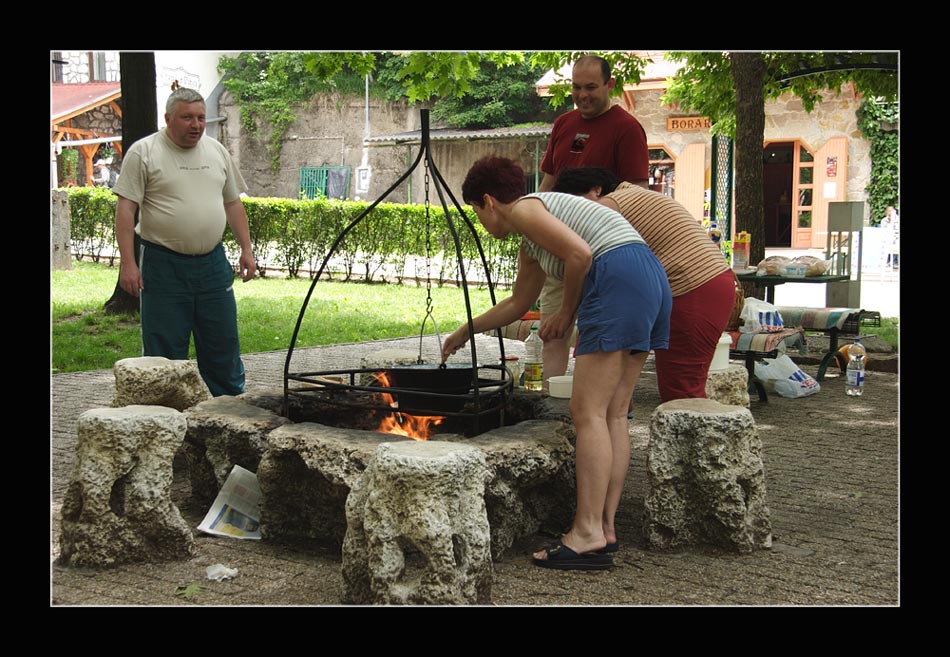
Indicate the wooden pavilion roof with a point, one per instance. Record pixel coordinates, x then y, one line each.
70 100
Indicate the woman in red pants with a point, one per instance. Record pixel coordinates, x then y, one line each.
701 280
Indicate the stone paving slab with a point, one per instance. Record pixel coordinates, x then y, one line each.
832 479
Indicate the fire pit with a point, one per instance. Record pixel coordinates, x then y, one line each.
308 465
475 392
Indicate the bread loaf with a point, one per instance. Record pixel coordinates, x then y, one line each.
773 265
814 265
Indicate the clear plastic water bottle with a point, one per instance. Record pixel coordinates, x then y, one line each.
533 372
854 385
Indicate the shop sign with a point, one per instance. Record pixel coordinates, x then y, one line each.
681 123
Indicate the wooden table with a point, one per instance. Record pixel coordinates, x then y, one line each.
769 282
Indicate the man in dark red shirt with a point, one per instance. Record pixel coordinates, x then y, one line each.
594 134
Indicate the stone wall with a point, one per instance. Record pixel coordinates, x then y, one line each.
76 68
652 115
329 132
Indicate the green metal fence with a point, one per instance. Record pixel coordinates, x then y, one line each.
720 202
331 182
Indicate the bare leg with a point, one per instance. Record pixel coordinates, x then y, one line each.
555 353
620 440
603 382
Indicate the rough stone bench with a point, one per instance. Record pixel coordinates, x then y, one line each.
705 478
729 386
309 469
417 528
157 381
224 432
118 505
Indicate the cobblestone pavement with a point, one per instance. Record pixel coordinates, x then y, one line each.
832 476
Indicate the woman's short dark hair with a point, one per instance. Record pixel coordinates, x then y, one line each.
500 177
581 180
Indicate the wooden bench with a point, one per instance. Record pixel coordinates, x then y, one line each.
833 322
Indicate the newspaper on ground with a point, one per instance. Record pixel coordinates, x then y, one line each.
236 511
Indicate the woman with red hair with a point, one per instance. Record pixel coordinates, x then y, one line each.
618 292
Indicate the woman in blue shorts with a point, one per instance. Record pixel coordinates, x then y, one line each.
620 295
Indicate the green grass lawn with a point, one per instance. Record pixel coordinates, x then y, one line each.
86 338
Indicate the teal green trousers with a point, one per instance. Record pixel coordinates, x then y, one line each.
186 295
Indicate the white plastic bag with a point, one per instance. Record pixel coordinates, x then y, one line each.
760 316
785 377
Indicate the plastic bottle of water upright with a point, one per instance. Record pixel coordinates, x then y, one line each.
854 385
533 375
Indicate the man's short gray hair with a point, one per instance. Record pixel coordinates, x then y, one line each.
182 95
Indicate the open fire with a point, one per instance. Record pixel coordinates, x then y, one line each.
418 427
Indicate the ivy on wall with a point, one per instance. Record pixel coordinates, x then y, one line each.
878 123
267 86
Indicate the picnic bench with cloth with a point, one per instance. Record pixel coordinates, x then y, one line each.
832 322
750 347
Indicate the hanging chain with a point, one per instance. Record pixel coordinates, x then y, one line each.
428 242
428 314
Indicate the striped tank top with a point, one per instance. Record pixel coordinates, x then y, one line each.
602 228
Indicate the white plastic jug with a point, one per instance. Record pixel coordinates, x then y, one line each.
720 359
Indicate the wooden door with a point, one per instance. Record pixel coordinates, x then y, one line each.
691 179
831 182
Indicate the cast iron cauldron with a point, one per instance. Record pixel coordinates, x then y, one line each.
454 379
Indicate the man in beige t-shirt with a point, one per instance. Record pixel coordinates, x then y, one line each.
185 187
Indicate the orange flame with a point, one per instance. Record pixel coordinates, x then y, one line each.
417 427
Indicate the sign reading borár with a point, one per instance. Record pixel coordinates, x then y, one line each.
688 123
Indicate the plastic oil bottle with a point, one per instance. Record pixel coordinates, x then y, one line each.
533 371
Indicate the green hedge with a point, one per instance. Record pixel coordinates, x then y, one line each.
296 235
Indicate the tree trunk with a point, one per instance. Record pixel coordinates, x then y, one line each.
748 75
139 119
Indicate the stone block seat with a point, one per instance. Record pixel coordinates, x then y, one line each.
118 507
157 381
705 478
417 527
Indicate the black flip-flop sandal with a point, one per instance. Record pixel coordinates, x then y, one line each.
561 557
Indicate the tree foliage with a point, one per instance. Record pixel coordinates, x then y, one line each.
447 74
626 68
705 81
499 97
